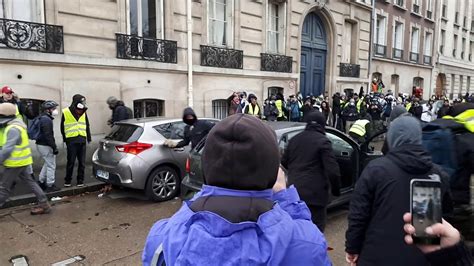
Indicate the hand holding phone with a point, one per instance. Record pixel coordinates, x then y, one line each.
425 209
449 235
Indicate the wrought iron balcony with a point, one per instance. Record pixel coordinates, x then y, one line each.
221 57
23 35
380 50
136 47
397 53
349 70
276 63
427 60
414 57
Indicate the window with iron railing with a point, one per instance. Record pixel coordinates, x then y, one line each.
148 108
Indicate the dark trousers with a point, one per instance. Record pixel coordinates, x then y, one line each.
318 216
75 151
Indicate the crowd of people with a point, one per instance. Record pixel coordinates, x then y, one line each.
251 212
19 124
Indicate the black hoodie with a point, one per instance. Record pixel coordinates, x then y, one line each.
79 139
196 132
380 198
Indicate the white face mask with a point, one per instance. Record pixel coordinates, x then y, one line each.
55 112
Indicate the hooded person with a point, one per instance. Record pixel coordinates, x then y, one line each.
16 157
382 195
119 110
76 134
398 111
244 214
194 131
312 166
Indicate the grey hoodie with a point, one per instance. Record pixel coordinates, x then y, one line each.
404 130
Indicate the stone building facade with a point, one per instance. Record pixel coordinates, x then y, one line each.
404 35
138 51
454 68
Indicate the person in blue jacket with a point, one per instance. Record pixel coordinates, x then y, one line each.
243 215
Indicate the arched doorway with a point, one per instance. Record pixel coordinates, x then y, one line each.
440 84
313 56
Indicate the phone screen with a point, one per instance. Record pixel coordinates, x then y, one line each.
425 209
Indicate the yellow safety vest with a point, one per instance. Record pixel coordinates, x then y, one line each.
17 114
279 106
253 111
466 118
73 127
359 127
359 104
408 107
21 154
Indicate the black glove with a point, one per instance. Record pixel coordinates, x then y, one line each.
55 152
335 192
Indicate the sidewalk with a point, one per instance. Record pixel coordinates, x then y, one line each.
22 194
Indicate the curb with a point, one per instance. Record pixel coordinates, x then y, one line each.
70 191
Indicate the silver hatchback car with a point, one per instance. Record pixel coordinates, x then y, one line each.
132 155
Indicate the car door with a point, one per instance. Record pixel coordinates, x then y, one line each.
175 131
346 152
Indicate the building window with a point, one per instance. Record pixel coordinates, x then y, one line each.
415 41
398 40
416 6
429 9
455 44
380 32
350 37
463 48
443 41
148 108
428 42
276 27
26 10
418 82
220 22
471 50
444 9
273 91
461 82
400 3
220 108
146 18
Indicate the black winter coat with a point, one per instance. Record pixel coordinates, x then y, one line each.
196 132
120 112
380 198
312 165
47 133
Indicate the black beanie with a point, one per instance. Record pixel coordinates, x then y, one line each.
241 152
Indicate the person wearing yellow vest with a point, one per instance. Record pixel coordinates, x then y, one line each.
360 130
280 105
76 134
253 108
17 159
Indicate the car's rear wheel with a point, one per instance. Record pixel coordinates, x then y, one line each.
163 184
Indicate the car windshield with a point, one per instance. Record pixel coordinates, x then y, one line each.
125 133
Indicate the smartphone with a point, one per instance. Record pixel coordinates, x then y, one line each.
425 208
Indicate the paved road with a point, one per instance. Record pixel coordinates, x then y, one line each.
108 230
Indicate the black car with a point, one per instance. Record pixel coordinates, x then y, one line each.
351 157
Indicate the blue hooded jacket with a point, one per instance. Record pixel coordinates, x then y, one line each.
284 235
